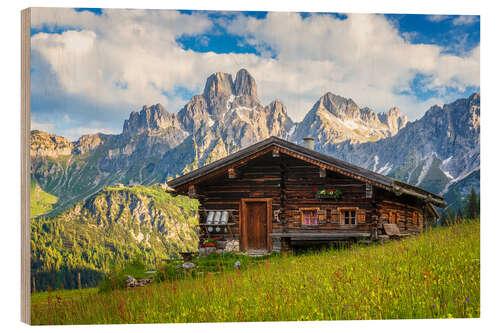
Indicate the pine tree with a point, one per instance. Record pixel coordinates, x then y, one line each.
459 215
451 217
472 206
442 217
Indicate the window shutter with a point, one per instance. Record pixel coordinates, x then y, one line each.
361 216
335 216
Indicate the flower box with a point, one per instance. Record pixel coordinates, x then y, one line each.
327 196
328 193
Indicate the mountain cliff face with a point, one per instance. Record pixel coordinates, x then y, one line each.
49 145
335 119
439 152
230 114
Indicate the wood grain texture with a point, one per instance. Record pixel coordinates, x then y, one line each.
25 165
256 224
287 183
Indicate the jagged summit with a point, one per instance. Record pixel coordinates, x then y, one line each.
394 119
339 106
219 84
222 84
245 84
335 119
149 118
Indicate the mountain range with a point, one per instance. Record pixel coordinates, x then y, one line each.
95 204
439 152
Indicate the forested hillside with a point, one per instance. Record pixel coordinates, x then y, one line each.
108 229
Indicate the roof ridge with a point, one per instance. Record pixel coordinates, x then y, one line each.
382 180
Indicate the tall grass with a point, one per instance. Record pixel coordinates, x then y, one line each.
435 275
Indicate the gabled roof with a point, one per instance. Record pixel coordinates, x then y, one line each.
311 156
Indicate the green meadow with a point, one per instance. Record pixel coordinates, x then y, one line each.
41 202
434 275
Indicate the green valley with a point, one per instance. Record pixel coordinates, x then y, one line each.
41 202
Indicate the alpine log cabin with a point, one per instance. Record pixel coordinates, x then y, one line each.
275 194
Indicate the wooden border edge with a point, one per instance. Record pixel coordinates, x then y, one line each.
25 165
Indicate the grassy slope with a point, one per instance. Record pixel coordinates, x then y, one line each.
41 202
433 276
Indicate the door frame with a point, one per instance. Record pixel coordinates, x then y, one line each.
243 222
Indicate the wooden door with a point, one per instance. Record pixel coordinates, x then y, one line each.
256 225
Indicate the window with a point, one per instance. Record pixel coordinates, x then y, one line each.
309 217
393 217
349 217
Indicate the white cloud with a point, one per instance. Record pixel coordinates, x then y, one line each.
437 18
465 19
75 133
45 127
130 58
363 57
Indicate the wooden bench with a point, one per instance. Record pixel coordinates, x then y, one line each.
392 230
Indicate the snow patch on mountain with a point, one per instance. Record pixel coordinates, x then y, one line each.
211 121
375 163
385 169
229 102
291 131
463 175
447 174
426 168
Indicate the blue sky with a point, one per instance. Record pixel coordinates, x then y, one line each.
92 67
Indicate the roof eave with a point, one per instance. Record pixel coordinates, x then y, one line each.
380 180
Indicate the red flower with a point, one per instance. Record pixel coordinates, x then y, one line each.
315 189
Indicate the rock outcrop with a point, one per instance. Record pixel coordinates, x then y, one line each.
394 120
49 145
88 143
154 117
131 282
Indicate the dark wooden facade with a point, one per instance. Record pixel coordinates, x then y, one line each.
268 190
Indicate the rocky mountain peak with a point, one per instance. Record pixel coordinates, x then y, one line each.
368 115
245 84
339 106
50 145
218 84
278 121
149 118
394 120
194 114
89 142
276 107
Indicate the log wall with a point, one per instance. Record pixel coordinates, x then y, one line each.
290 183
